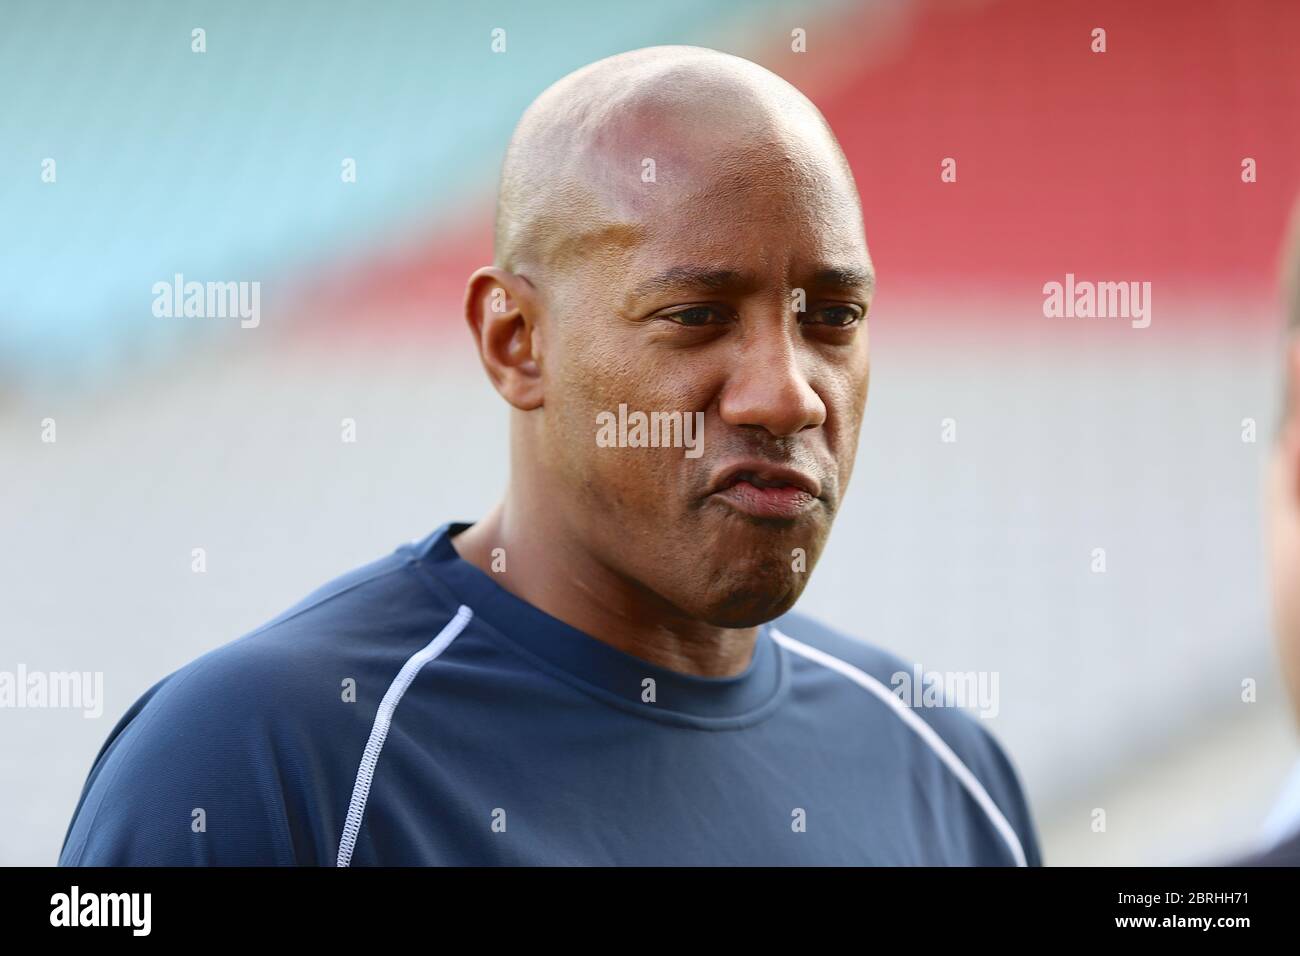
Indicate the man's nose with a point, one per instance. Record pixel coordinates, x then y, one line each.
768 388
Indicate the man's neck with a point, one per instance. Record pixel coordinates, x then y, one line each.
557 575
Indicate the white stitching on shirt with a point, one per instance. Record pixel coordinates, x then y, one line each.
926 732
383 720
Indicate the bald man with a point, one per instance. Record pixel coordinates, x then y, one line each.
605 669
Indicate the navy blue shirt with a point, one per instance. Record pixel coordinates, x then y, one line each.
414 712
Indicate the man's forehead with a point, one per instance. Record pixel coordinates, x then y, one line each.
730 221
746 175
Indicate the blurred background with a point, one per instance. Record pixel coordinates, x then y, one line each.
1119 690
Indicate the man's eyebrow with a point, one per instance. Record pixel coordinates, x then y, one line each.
699 277
846 277
719 280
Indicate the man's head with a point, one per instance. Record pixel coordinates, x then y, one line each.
663 217
1284 479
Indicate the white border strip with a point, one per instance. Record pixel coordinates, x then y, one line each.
383 720
926 732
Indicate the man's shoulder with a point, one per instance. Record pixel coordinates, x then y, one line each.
958 737
226 736
382 606
883 673
874 660
387 594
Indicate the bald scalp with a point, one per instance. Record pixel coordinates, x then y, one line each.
572 180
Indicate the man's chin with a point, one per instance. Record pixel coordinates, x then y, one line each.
750 607
761 578
749 616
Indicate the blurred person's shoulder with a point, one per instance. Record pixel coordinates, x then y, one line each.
952 734
245 755
1284 853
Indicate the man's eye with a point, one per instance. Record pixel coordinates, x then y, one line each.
695 316
838 316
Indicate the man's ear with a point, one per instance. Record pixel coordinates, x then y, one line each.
501 309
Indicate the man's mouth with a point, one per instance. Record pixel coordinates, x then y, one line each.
767 491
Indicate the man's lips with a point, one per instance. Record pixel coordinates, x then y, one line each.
766 490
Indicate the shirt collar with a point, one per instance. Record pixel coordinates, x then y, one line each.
601 669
